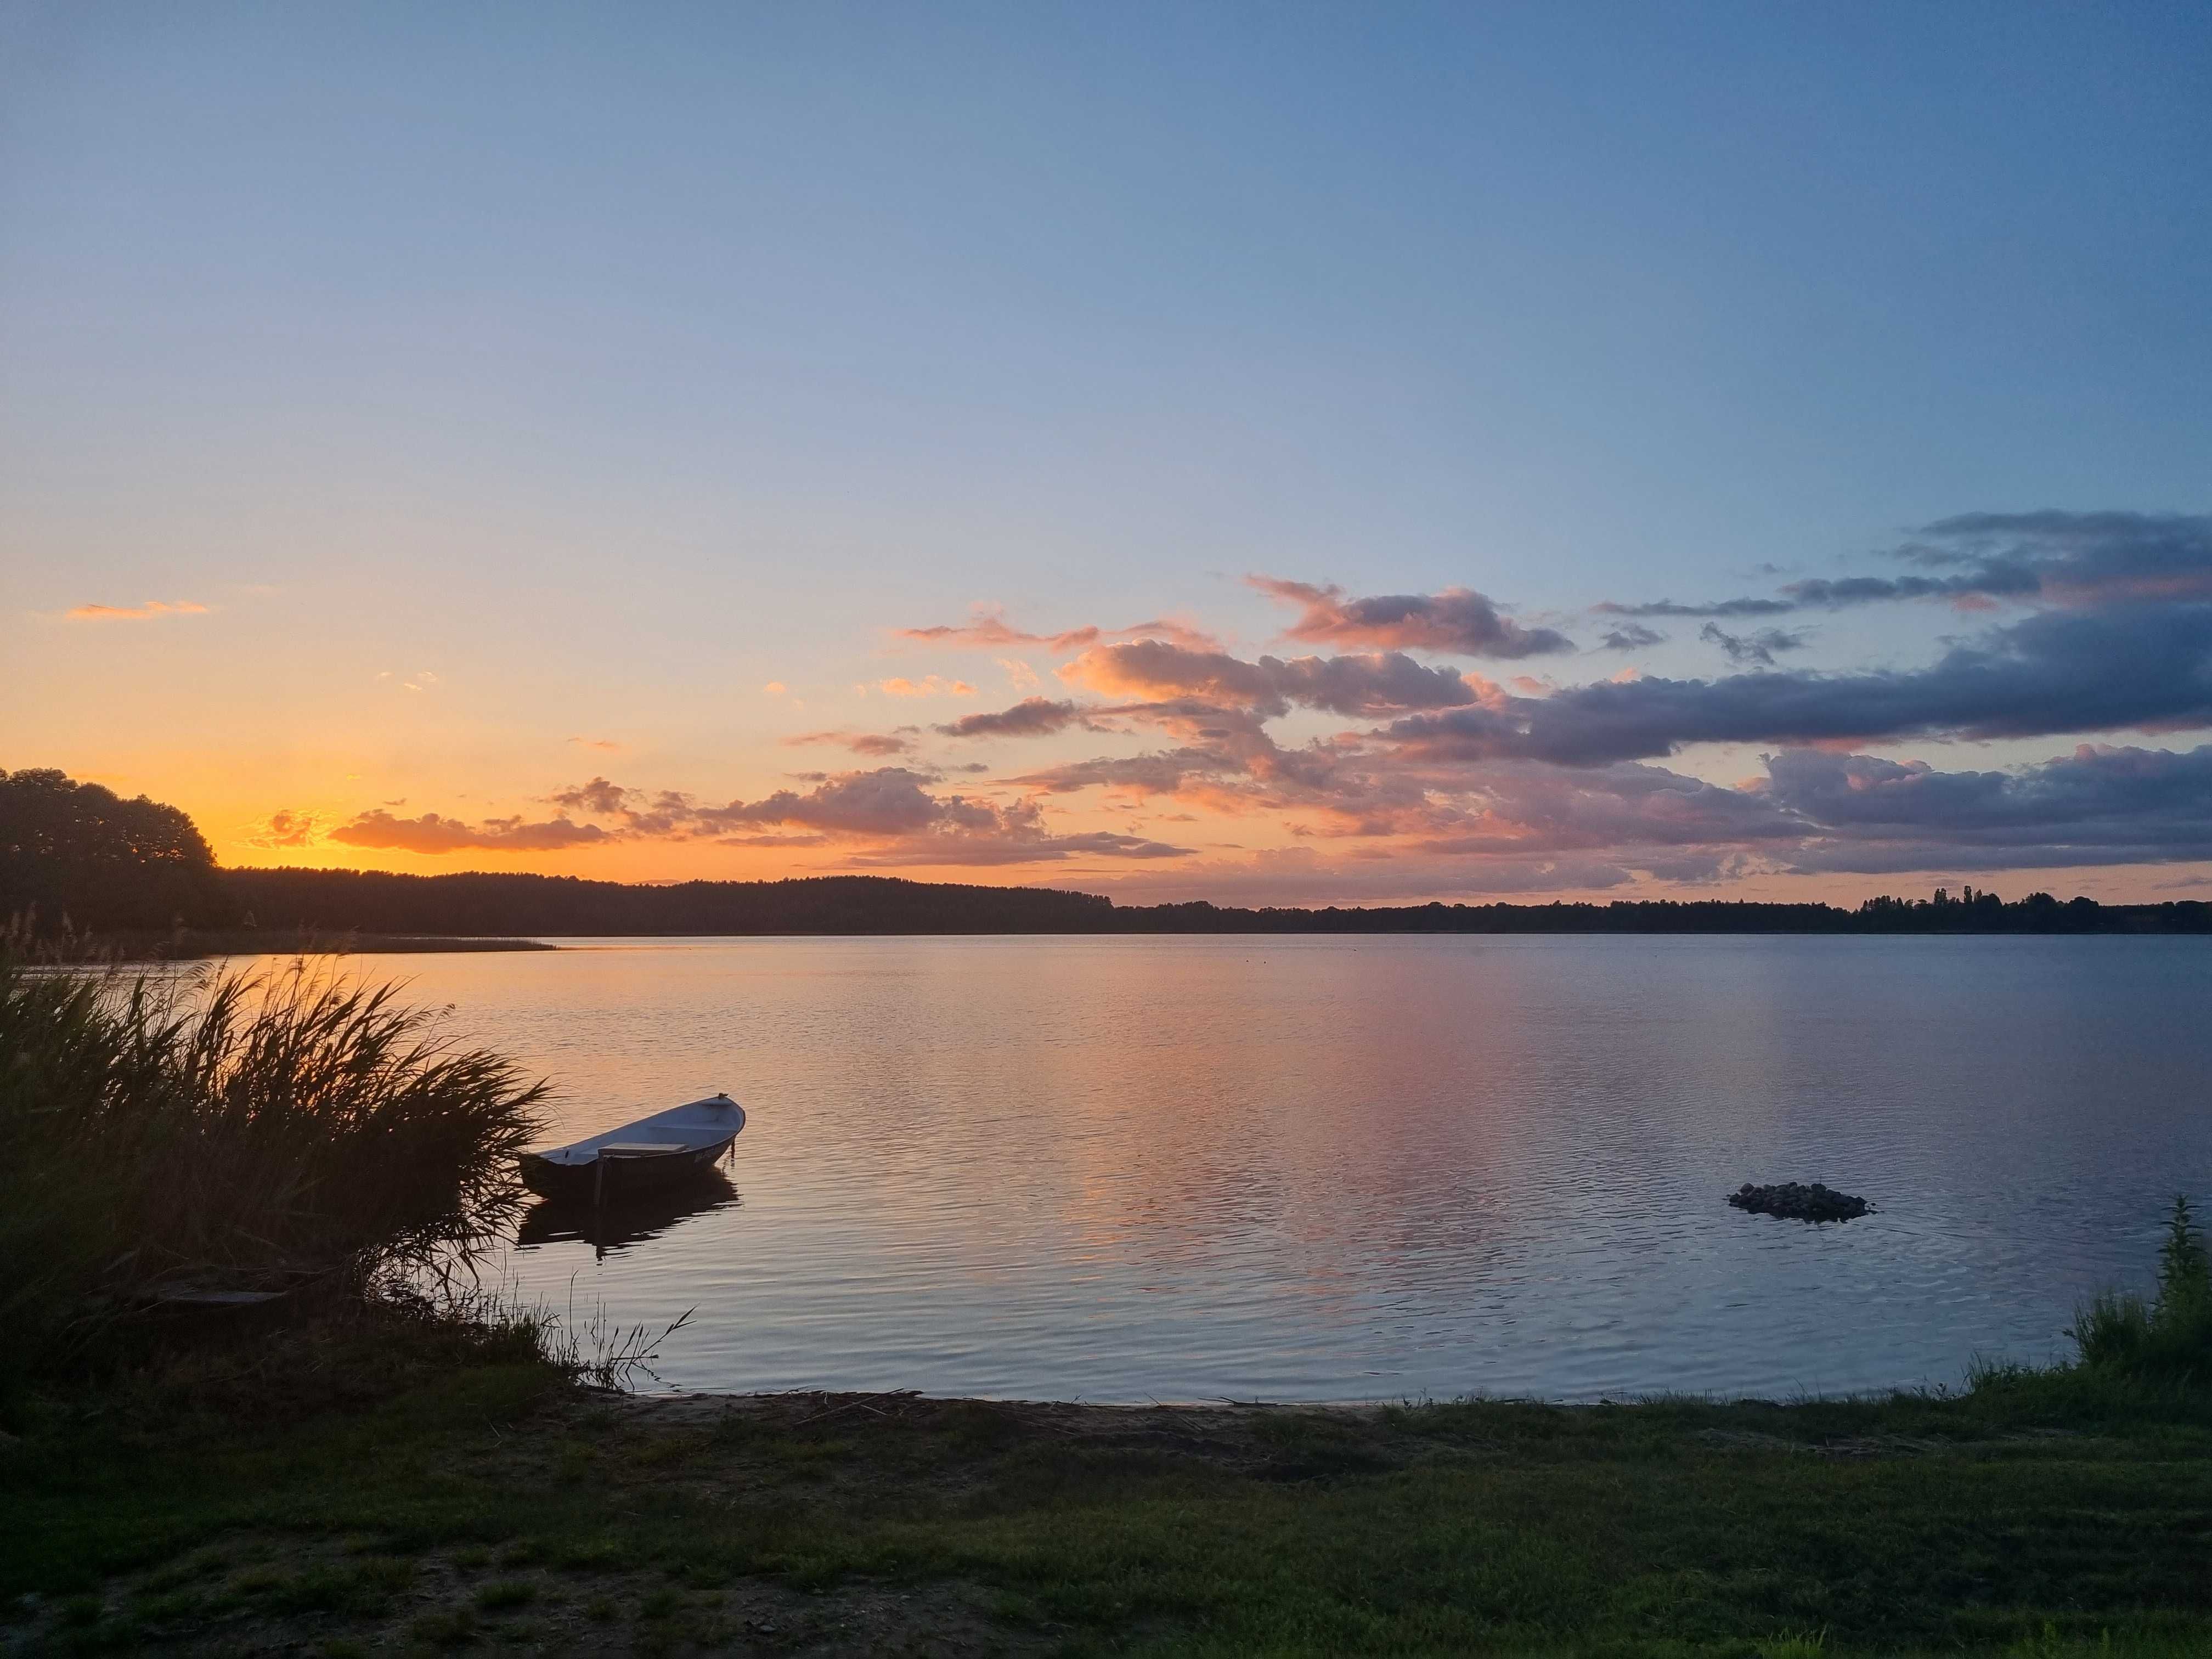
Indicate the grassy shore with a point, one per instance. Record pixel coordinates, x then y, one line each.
383 1491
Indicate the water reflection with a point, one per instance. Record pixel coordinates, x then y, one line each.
622 1222
1330 1168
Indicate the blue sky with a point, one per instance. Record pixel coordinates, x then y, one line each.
608 364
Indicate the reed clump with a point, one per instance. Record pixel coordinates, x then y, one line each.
2135 1357
2168 1337
287 1130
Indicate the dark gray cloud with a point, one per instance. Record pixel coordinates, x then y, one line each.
2097 806
2050 557
1157 774
892 805
1370 684
1458 620
1758 646
1631 636
891 800
876 745
1718 608
597 796
2141 666
1032 717
1511 808
2092 784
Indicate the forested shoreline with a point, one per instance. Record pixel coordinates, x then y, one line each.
75 858
554 906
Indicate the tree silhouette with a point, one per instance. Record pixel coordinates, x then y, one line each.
77 855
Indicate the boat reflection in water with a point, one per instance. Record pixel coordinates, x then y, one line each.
632 1218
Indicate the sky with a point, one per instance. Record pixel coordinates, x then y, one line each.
1274 453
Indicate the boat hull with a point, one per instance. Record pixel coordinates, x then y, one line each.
608 1174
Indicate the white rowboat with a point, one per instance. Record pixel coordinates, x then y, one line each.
682 1142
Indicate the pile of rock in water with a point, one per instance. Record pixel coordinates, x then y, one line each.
1794 1202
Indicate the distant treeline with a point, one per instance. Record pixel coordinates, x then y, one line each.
76 855
341 900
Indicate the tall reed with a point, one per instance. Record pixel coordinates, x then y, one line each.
270 1129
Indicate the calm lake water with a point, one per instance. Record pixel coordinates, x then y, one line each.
1378 1167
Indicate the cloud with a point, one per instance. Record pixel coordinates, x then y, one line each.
432 834
1622 808
888 801
2099 806
888 815
284 829
607 743
1374 684
2143 666
1720 608
146 612
1159 774
775 689
598 797
891 803
2069 560
1458 620
1759 647
932 686
1428 779
1032 717
985 629
875 744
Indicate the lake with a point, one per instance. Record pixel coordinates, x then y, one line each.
1333 1169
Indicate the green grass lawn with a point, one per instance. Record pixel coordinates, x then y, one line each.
488 1506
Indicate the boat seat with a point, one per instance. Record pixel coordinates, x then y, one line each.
645 1148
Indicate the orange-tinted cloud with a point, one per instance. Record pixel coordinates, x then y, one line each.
929 686
145 612
889 816
988 630
284 829
432 834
